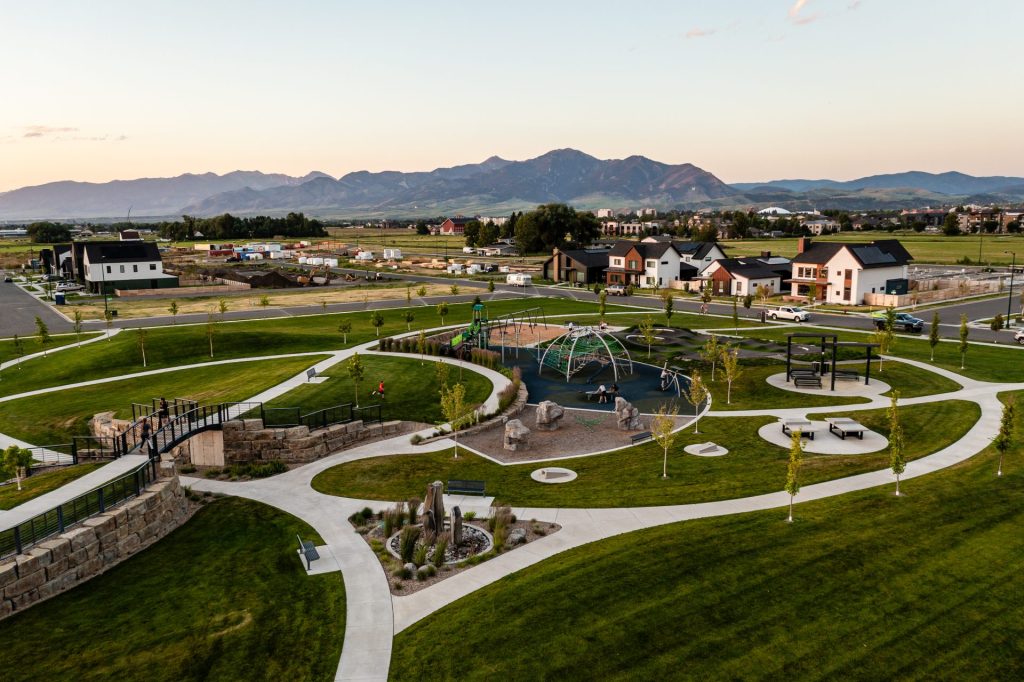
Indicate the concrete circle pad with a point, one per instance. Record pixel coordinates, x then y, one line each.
553 475
844 387
705 450
824 442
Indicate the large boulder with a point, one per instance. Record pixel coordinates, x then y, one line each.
516 435
549 414
627 416
516 537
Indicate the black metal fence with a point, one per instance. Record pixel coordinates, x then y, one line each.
283 417
19 538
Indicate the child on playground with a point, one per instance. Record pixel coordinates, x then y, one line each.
602 394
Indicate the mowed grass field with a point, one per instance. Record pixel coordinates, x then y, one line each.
632 477
40 484
181 610
864 586
52 418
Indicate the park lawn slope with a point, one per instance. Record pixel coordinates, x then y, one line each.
174 345
861 586
52 418
410 394
221 598
632 477
30 344
40 484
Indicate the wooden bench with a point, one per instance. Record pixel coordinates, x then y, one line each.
640 437
464 487
308 551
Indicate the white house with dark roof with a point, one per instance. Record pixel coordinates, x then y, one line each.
742 276
659 261
844 273
120 265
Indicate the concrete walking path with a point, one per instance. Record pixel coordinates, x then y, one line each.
92 339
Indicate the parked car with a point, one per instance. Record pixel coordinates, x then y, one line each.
7 278
789 312
69 286
1019 337
904 321
616 290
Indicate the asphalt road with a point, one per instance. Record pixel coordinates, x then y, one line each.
18 312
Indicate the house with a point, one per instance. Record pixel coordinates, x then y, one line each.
699 255
821 226
837 272
456 225
653 262
605 213
129 236
644 212
105 266
578 266
741 276
498 250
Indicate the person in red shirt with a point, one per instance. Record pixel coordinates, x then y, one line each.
380 389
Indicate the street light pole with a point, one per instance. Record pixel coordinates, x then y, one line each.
1009 295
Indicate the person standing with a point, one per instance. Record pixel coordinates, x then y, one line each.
147 432
164 412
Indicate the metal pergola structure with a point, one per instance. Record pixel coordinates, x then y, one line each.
830 343
577 348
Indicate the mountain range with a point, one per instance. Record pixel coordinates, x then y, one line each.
494 186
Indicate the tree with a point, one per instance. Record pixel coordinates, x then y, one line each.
410 317
222 306
422 291
663 432
669 304
812 292
48 233
696 392
710 352
454 409
964 331
1004 439
933 334
951 225
173 310
140 341
355 371
646 329
796 454
77 320
764 292
211 328
442 311
344 328
997 322
377 320
884 337
408 294
19 348
323 305
108 320
554 225
735 313
602 303
264 302
897 458
731 367
706 292
490 286
17 461
421 344
748 301
42 333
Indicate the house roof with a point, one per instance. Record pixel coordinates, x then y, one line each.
748 268
694 249
882 253
591 258
460 220
121 252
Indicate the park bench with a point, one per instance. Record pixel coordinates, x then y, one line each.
311 374
640 437
805 427
308 551
847 375
844 426
464 487
807 381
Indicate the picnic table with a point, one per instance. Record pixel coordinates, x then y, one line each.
844 426
805 427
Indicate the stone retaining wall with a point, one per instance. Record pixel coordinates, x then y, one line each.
90 548
246 440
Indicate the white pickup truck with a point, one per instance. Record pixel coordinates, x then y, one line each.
789 312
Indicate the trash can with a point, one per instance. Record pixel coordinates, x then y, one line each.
58 298
113 313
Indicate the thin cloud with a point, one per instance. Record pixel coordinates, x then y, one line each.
854 5
43 131
794 11
700 33
796 16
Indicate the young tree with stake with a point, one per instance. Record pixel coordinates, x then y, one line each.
663 432
421 292
77 320
933 334
442 311
454 289
454 409
211 328
796 455
410 317
602 303
669 297
344 328
696 392
731 367
173 310
16 462
646 329
421 344
897 456
19 348
355 371
377 320
42 333
1004 439
108 319
710 352
140 341
964 331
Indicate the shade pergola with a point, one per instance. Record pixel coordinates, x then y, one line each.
830 344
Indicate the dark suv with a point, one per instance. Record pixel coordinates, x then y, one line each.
904 321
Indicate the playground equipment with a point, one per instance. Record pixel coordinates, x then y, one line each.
581 347
671 380
473 336
511 328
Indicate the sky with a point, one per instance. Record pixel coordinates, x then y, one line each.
749 90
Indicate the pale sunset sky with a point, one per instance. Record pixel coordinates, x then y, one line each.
747 89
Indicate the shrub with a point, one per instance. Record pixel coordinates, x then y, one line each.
402 572
399 513
187 469
416 439
997 323
389 523
407 542
412 505
367 513
439 550
469 516
419 555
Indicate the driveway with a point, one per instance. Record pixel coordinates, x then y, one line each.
18 312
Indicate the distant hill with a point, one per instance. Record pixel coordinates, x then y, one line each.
496 186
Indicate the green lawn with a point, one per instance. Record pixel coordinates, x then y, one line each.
40 484
30 344
632 477
184 344
863 586
984 362
222 598
411 390
53 418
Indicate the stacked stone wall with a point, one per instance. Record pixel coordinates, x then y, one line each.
246 440
90 548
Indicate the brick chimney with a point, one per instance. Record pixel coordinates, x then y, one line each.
802 244
766 254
